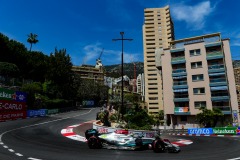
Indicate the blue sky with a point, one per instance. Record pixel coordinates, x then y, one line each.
85 27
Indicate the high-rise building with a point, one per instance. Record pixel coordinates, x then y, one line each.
158 31
198 72
141 86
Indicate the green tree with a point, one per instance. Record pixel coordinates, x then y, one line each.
37 66
138 118
209 118
9 69
32 90
60 74
32 39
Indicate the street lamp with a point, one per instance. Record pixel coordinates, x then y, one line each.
122 39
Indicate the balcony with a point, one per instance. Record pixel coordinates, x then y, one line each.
177 50
219 43
218 82
214 55
179 72
224 109
180 85
181 98
220 96
216 68
178 60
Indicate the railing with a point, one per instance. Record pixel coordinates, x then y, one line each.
180 95
218 66
217 80
182 70
219 94
223 108
178 58
180 83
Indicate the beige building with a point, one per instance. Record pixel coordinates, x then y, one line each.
89 72
237 80
197 72
157 33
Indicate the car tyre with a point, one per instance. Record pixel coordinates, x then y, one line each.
158 146
94 143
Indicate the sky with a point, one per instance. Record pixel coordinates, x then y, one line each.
85 28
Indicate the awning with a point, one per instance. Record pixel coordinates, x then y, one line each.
180 90
221 88
180 77
217 74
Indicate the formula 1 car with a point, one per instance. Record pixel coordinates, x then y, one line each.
120 139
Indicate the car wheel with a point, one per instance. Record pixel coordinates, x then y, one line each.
157 146
94 143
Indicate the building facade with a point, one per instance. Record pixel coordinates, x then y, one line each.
198 72
89 72
237 80
141 86
157 33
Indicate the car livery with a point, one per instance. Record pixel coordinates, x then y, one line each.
120 139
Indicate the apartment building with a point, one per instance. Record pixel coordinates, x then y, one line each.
89 72
141 86
237 80
158 31
197 72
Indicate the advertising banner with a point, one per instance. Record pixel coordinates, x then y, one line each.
238 131
52 111
6 94
200 131
36 113
227 130
9 106
181 109
21 96
88 103
10 95
13 115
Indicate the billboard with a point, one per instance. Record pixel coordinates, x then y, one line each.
12 104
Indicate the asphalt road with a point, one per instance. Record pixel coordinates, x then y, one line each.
41 139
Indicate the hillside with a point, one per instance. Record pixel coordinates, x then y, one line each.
236 63
128 69
115 70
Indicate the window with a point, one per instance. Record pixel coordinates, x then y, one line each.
196 65
195 52
198 90
153 98
199 104
198 77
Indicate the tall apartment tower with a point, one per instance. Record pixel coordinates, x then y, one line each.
158 31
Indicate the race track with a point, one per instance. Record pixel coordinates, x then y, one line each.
41 139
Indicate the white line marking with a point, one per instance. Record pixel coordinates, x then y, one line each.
34 158
38 125
5 146
18 154
234 158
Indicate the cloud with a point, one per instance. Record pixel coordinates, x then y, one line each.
91 52
194 16
236 43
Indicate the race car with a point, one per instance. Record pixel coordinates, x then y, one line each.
121 139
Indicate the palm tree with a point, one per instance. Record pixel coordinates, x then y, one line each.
32 39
